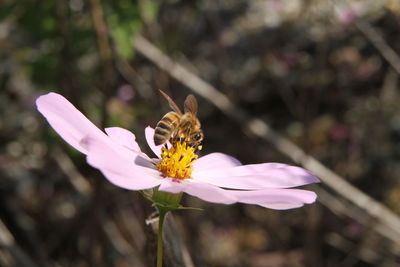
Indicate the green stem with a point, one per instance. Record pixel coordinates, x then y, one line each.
160 243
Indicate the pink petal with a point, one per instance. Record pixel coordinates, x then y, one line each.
123 137
66 120
216 161
278 199
256 176
149 133
124 142
282 206
205 192
135 174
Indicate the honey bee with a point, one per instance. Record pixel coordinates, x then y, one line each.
177 126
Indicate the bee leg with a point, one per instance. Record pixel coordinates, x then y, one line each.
181 138
197 149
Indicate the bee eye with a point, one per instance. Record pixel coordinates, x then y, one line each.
197 136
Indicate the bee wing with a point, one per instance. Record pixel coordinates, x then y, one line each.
171 103
190 104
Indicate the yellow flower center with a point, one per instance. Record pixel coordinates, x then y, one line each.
176 161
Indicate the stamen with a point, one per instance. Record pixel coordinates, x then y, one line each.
176 161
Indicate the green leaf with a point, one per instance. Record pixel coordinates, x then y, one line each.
148 10
189 208
123 33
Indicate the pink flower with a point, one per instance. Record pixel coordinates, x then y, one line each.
215 177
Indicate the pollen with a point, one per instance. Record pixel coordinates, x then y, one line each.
176 161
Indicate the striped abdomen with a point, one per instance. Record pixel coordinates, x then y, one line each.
166 127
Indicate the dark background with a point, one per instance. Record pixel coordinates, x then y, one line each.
307 68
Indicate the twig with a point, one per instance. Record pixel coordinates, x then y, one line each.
380 44
105 54
100 27
261 129
7 242
119 243
350 249
176 248
373 36
341 208
176 252
129 73
77 180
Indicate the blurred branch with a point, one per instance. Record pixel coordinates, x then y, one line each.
7 242
350 249
120 244
130 74
176 252
77 180
380 44
341 208
105 51
260 129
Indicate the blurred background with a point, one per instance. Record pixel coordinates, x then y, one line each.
323 74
